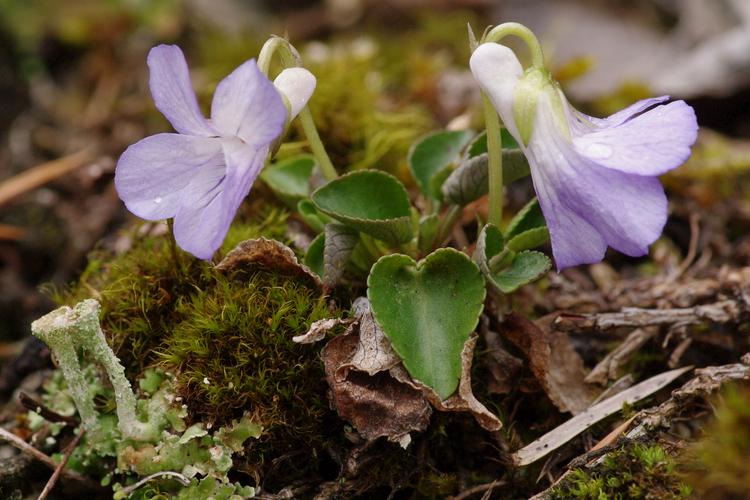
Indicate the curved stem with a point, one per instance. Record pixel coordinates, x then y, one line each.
446 225
516 29
495 162
289 59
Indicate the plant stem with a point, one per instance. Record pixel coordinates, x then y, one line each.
286 53
495 162
316 145
370 247
516 29
173 249
446 225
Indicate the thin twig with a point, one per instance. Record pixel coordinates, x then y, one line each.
47 414
42 174
480 488
42 457
167 473
58 470
692 249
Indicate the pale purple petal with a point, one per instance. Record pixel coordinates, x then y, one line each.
201 225
248 106
626 113
650 143
588 206
152 176
173 93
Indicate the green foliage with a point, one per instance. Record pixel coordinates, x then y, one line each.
635 471
289 178
226 338
508 267
428 310
370 201
433 155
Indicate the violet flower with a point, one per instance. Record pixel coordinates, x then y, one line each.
200 175
596 179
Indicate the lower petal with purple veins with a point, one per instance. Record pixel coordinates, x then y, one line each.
153 175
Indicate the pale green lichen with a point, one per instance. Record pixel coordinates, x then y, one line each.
66 331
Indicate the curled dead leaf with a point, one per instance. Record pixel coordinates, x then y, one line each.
267 253
319 329
463 400
376 405
554 363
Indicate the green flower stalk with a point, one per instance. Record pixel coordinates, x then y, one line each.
290 59
492 121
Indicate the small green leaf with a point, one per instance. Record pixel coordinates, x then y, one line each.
289 178
490 242
478 145
370 201
311 216
433 154
314 257
505 269
340 241
428 311
428 231
526 267
470 180
529 239
529 217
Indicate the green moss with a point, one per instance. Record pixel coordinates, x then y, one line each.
634 471
226 338
717 466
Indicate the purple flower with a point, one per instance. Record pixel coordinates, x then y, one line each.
200 175
596 179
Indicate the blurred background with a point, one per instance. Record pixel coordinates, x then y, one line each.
74 94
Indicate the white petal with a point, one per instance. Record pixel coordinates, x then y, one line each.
297 84
497 70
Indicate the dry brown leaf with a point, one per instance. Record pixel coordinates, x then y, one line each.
267 253
374 352
319 329
377 406
503 367
554 363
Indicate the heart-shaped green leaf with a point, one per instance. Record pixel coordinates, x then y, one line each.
289 178
433 154
428 311
370 201
503 267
